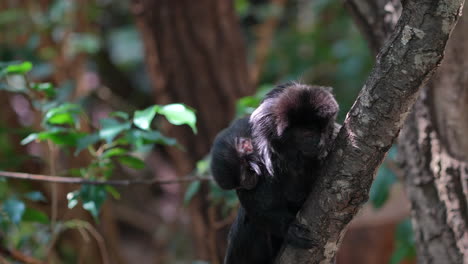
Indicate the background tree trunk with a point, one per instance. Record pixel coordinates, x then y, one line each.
432 144
434 153
195 55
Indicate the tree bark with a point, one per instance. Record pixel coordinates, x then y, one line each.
434 151
195 55
403 65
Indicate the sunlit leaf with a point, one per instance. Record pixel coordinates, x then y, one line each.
65 114
72 198
179 114
203 166
30 138
61 137
20 68
143 118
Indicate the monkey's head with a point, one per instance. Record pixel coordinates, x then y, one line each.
234 164
294 121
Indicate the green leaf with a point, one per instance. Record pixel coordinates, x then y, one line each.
14 209
93 197
30 138
120 114
110 128
47 88
132 162
61 137
35 196
113 191
247 105
65 114
62 119
192 189
114 152
203 166
179 114
143 118
33 215
84 142
241 7
150 137
405 245
380 189
21 68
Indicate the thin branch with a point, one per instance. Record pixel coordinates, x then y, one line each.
74 180
19 256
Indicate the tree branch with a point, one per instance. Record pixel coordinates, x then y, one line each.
74 180
19 256
404 64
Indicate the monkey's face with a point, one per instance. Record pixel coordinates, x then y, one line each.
298 141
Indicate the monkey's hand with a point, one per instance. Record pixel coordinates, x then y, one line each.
299 235
248 177
244 146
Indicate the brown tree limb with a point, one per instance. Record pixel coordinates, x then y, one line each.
19 256
403 66
74 180
432 152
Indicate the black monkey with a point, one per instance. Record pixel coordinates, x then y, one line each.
290 134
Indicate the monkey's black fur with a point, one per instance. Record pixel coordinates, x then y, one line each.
290 134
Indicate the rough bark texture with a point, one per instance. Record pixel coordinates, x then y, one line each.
434 149
195 55
403 65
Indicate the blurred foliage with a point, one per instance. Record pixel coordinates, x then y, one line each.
118 140
405 248
383 182
316 42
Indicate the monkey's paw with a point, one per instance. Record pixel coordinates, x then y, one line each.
300 236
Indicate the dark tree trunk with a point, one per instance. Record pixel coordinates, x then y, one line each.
195 55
